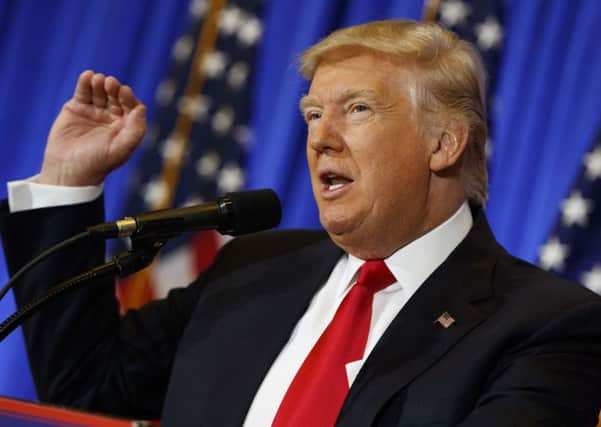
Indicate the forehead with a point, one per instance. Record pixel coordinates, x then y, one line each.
341 75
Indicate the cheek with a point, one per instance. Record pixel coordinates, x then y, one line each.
396 174
311 159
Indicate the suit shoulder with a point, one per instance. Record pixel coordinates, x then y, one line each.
517 275
256 247
278 240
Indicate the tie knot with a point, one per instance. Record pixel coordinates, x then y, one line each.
374 276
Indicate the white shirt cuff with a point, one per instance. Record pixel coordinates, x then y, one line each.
26 194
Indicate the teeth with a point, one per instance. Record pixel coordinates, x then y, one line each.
335 182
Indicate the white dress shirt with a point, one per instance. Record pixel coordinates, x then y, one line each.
410 265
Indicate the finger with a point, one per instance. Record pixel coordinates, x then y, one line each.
127 99
83 89
132 133
111 87
99 98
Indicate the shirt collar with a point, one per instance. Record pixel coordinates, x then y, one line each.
408 264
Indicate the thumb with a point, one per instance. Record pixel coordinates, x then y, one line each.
135 125
130 135
139 114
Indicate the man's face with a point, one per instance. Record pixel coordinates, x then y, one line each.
369 162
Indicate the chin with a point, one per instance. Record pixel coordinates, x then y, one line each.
335 225
341 234
355 241
359 249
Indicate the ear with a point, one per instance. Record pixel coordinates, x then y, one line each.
451 145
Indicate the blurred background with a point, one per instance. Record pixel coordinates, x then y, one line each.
220 82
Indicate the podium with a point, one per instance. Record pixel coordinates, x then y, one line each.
19 413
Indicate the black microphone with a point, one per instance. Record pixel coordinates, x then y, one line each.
235 213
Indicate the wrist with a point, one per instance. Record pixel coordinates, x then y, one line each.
50 176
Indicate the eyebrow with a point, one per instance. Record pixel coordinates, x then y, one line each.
308 101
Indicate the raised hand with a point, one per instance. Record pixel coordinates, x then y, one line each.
95 132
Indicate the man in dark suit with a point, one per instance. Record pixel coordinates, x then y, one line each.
404 312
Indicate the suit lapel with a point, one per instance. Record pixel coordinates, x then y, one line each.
414 340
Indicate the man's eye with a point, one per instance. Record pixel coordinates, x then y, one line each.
312 115
359 108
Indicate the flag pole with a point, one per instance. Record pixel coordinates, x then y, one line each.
179 140
431 8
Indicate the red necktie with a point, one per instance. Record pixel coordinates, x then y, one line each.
320 386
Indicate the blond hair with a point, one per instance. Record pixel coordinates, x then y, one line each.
449 79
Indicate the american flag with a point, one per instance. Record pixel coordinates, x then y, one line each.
445 320
195 150
573 250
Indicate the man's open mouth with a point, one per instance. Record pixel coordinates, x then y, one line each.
333 181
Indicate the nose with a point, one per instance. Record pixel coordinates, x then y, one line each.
324 135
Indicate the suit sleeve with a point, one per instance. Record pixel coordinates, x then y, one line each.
81 352
552 378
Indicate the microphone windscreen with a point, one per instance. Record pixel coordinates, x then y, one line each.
255 210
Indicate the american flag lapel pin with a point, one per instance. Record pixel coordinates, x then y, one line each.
445 320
